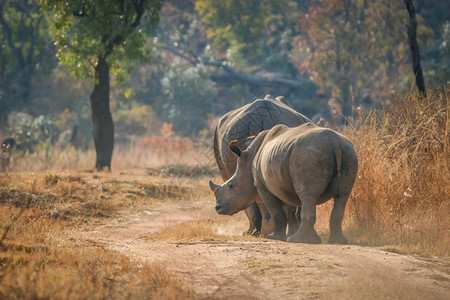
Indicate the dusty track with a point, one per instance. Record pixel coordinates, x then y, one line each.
262 269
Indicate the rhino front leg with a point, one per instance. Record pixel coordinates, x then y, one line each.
267 220
255 220
275 208
306 232
337 214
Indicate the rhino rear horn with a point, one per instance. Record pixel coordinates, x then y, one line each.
234 147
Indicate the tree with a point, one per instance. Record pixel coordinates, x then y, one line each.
251 32
353 43
412 37
234 24
95 38
25 48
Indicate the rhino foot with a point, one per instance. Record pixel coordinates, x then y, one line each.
252 232
278 237
312 238
338 239
256 233
249 231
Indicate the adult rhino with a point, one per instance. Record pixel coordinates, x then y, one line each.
302 166
246 121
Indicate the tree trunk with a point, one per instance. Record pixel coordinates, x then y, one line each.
101 116
412 35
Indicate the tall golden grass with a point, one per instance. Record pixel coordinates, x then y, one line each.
153 151
402 195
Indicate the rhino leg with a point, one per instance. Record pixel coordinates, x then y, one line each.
337 214
292 220
267 221
275 208
255 220
298 215
306 232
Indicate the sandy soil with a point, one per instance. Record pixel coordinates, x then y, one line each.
263 269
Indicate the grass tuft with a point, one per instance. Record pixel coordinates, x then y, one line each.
402 194
183 170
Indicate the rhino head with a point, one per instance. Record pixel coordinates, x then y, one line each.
238 192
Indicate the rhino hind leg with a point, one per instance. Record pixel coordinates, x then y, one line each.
337 214
275 208
306 232
292 219
255 220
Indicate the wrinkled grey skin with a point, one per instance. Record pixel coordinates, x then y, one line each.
241 123
303 166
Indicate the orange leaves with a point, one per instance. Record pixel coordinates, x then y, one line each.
166 142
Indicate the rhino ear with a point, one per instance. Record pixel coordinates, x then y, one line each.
282 99
249 140
234 147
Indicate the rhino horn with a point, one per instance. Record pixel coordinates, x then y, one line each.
213 186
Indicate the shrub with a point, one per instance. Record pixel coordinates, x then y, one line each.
29 131
189 95
136 120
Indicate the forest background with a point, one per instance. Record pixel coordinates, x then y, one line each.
206 57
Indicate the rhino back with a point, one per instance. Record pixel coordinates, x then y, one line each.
301 160
251 119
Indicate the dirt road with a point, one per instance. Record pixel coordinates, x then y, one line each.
262 269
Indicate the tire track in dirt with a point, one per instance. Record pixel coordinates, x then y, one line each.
268 269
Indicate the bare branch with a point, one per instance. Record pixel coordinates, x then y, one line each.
231 75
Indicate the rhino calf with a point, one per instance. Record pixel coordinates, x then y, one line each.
302 166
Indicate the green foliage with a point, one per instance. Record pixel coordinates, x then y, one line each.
437 58
342 40
189 96
86 30
29 131
26 51
234 22
249 32
135 120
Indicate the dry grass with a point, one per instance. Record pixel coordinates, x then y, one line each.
197 231
125 157
39 258
182 170
402 194
76 270
85 194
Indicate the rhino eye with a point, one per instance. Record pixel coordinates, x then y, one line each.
230 184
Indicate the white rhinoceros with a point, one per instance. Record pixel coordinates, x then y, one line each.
246 121
302 166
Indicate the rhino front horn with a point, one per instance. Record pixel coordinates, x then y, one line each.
212 185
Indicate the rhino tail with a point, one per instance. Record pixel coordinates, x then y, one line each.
338 158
